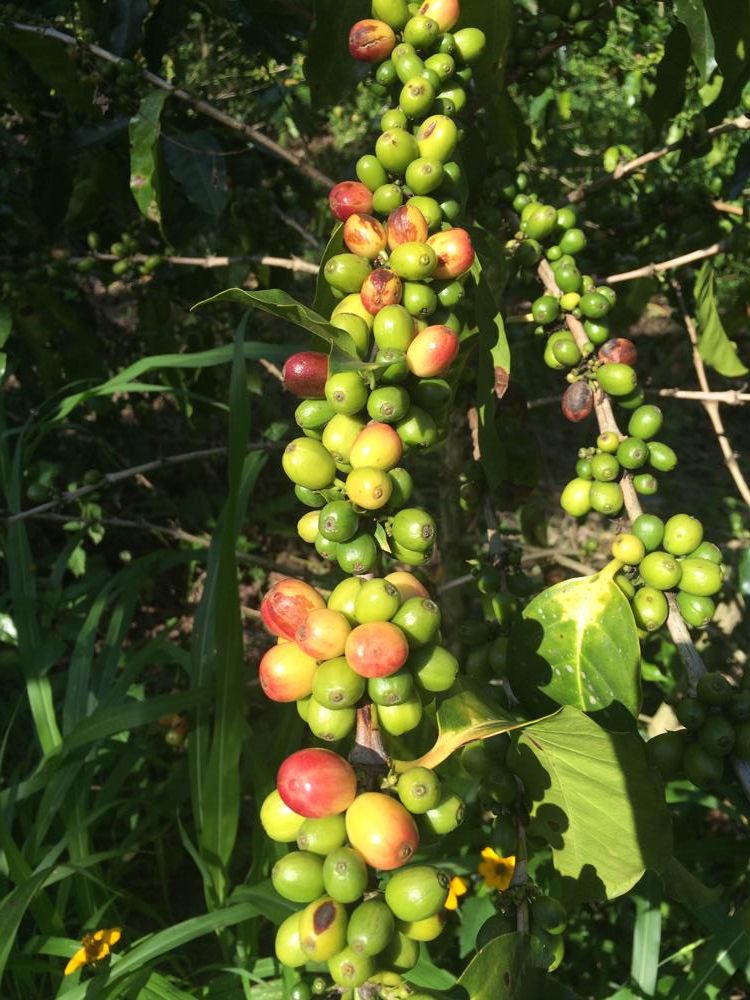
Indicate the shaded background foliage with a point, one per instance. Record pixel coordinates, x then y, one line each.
100 820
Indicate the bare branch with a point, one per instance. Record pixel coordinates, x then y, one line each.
256 138
649 270
287 263
729 397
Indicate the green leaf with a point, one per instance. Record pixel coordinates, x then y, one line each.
461 718
730 26
329 77
282 305
644 962
715 962
510 967
714 346
145 127
194 160
689 891
596 801
577 644
693 15
324 302
669 94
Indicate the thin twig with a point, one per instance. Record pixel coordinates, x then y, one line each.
623 170
649 270
711 407
729 397
287 263
256 138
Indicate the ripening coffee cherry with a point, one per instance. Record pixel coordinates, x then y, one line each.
429 208
432 351
376 649
577 402
632 453
650 530
346 393
406 225
371 40
316 783
349 197
417 892
286 672
369 488
575 499
287 945
661 456
298 877
287 604
437 136
418 619
650 608
419 790
393 690
617 379
364 236
682 534
280 823
339 436
445 12
470 43
395 150
407 585
645 422
307 463
606 498
661 570
424 930
378 446
618 350
307 527
335 685
321 836
371 927
700 577
323 634
377 601
381 830
344 595
454 251
629 549
322 929
393 12
305 374
413 261
381 288
697 611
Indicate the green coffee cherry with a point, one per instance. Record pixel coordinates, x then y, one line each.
697 611
413 528
346 392
369 170
434 668
576 497
661 456
714 689
650 608
419 790
417 892
632 453
660 570
358 554
650 530
338 521
702 768
298 876
413 261
388 197
371 927
446 816
716 736
665 753
402 718
682 534
605 468
321 836
396 148
709 551
691 713
307 463
617 379
645 422
377 601
396 689
700 577
345 875
328 724
607 498
346 272
645 484
336 685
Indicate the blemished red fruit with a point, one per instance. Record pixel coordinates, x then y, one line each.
316 783
407 585
376 649
577 402
445 12
286 606
380 288
377 446
432 351
305 374
349 197
371 40
382 830
364 235
454 252
618 350
286 672
406 225
323 634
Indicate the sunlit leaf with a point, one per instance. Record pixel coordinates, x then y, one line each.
145 128
693 15
715 347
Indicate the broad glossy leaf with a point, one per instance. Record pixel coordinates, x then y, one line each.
597 802
714 346
280 304
511 967
145 128
693 15
196 163
463 717
576 644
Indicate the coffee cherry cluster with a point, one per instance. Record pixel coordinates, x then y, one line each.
376 640
667 557
717 723
598 469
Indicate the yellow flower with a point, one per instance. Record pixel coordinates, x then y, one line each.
94 947
458 887
496 871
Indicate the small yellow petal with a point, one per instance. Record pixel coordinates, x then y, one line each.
490 855
77 962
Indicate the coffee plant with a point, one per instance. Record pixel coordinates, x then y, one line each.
443 693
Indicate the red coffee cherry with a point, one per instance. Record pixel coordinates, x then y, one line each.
432 351
349 197
286 673
371 40
286 606
305 374
577 402
376 649
454 252
316 783
380 288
